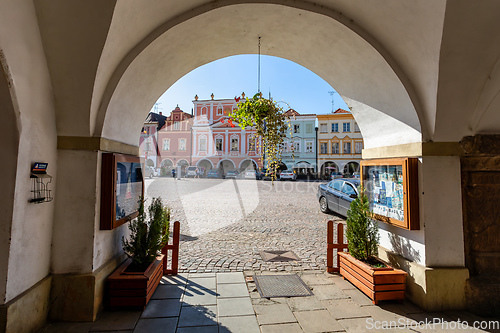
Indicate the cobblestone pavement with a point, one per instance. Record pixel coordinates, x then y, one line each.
226 224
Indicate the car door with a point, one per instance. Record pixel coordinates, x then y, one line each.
346 198
333 194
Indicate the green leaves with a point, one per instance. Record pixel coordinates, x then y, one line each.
147 237
362 231
270 124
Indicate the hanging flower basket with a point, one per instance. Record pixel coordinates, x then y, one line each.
271 124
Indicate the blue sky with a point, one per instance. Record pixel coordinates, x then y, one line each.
287 81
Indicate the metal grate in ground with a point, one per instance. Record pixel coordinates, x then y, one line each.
272 256
281 286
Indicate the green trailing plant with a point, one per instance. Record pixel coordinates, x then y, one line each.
362 231
148 235
271 124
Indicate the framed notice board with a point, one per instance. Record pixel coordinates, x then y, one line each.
392 189
122 186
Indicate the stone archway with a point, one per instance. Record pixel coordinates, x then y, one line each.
206 164
248 164
351 168
327 168
226 165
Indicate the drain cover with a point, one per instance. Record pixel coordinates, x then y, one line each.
279 256
281 286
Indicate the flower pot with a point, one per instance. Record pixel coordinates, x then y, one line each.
134 289
379 284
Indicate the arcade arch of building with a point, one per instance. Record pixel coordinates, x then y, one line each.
78 80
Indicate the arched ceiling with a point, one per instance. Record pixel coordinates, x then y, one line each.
390 58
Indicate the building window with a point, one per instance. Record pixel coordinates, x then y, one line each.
166 144
251 143
203 144
309 146
182 144
234 144
309 128
324 147
358 146
147 146
219 111
296 128
335 127
176 125
296 147
346 127
347 147
218 144
335 148
356 127
322 128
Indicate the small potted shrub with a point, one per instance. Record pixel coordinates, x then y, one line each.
361 266
135 281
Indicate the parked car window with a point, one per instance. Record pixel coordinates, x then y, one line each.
348 189
337 185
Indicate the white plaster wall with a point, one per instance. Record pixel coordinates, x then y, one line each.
75 212
441 211
31 232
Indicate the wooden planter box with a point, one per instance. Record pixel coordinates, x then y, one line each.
127 289
379 284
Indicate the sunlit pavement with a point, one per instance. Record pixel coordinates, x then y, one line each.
226 224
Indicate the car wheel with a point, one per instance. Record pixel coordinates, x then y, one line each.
323 205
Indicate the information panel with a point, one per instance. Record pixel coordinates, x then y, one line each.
392 189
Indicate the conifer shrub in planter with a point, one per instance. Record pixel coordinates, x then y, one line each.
361 266
134 282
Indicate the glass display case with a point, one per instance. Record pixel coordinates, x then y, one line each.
122 186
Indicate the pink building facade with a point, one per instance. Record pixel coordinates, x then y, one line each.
174 141
218 144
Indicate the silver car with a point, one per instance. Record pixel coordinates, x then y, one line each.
337 195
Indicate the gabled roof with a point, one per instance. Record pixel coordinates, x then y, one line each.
155 117
292 113
339 110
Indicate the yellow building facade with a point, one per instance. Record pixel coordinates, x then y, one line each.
339 144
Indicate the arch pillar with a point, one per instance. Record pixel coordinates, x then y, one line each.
82 254
433 256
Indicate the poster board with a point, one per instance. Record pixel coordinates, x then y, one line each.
122 186
392 189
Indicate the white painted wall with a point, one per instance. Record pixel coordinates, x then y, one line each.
31 232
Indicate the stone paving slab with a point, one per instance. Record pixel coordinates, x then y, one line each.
240 324
230 307
280 328
156 325
158 308
164 291
309 303
203 315
274 314
317 321
344 308
232 290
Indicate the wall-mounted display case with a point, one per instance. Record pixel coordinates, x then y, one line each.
392 189
122 186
